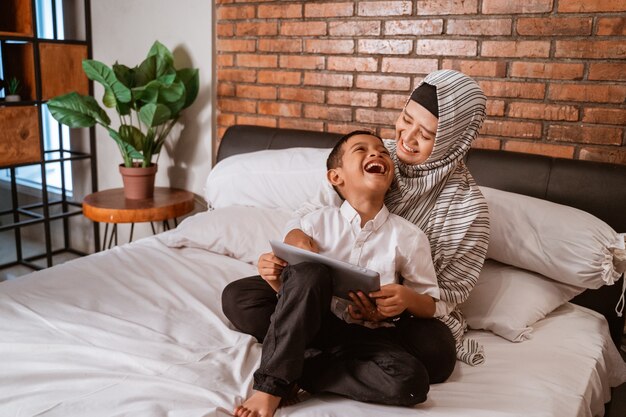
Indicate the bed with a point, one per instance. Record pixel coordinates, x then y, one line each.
138 329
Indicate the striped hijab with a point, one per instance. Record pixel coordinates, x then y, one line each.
441 197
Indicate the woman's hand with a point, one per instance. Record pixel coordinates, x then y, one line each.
299 239
270 267
363 308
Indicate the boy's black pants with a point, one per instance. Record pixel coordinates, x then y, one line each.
305 343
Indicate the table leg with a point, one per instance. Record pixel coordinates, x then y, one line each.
113 233
106 232
132 227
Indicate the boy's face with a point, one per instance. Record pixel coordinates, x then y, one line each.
366 167
415 134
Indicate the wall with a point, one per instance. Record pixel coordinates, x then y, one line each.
124 31
554 70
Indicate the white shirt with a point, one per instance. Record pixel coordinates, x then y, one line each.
387 244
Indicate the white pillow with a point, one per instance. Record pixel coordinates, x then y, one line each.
554 240
508 301
283 178
237 231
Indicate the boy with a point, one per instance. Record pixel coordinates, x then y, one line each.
324 343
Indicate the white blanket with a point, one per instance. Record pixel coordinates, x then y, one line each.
138 330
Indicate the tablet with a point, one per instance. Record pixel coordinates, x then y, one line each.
346 277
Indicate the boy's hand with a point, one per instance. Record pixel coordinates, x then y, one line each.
270 267
363 308
299 239
392 299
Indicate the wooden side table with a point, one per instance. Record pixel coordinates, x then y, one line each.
111 207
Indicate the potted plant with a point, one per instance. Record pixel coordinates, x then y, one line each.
13 88
148 99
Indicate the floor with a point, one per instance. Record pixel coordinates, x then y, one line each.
618 403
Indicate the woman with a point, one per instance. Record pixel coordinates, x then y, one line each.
434 190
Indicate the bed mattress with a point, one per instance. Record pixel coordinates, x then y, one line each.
138 330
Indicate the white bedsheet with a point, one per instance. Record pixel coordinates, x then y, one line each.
139 331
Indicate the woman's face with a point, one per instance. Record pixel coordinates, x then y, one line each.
415 134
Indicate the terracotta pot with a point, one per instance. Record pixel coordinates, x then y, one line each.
13 98
138 181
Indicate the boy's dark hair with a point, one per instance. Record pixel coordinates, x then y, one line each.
334 158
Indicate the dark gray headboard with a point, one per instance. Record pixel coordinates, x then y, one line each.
597 188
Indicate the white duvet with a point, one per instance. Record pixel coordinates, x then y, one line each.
138 331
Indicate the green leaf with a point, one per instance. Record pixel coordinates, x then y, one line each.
99 72
161 51
128 151
148 93
124 74
191 79
133 136
108 99
154 114
75 110
172 93
146 71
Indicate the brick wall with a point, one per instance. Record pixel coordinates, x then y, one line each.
554 70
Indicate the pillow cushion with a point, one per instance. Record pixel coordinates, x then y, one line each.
237 231
508 301
560 242
284 178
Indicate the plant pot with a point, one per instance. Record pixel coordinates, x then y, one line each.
138 181
12 98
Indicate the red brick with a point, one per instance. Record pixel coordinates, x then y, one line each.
280 109
225 60
542 111
484 142
480 68
362 28
256 29
414 27
591 49
393 101
385 8
225 30
409 65
344 128
530 49
480 27
580 133
256 120
611 155
344 63
257 60
279 77
607 71
515 7
507 128
353 98
387 133
225 89
605 116
495 107
329 46
253 91
441 7
379 82
328 80
236 106
586 6
236 75
611 26
235 45
303 28
225 119
280 45
306 95
314 125
547 70
235 12
554 26
513 89
588 92
301 62
343 9
338 114
385 46
556 151
446 47
380 117
269 11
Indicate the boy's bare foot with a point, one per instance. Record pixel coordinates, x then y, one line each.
260 404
